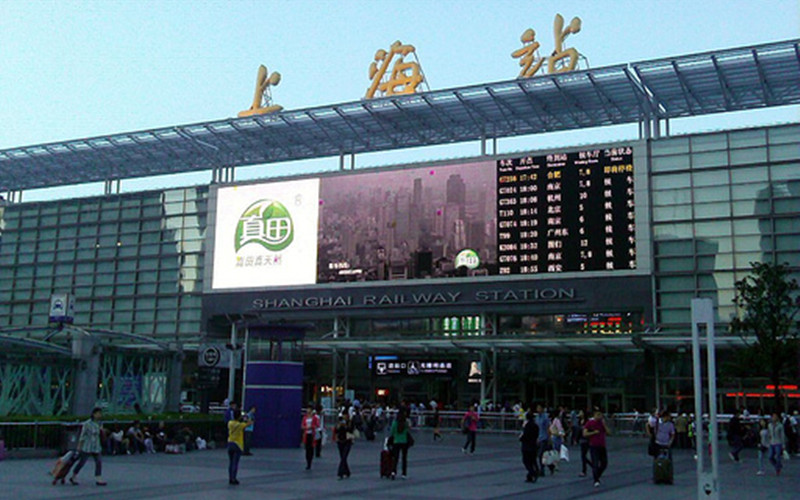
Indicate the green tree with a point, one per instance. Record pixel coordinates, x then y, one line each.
768 304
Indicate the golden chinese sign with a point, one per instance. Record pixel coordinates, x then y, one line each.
262 99
560 61
404 78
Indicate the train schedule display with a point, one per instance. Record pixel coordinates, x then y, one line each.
566 212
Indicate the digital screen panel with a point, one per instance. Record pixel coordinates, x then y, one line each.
554 213
566 212
406 224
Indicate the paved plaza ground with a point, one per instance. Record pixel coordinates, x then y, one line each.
436 470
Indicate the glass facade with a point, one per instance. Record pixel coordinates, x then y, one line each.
720 201
133 262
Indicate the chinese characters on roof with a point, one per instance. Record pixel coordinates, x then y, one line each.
391 74
262 99
404 77
560 61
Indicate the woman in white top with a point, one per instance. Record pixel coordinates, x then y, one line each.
776 442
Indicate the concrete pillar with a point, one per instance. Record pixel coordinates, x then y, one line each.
86 354
174 378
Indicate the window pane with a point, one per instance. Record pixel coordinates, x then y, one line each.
670 163
786 172
747 138
672 181
710 159
750 174
748 156
668 213
717 193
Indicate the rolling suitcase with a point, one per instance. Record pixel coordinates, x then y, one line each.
662 469
387 463
63 465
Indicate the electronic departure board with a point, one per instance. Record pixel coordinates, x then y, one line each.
566 212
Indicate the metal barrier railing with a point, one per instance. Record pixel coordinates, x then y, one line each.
61 436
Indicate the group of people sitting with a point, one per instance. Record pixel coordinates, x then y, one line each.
147 439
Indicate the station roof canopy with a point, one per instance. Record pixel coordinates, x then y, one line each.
689 85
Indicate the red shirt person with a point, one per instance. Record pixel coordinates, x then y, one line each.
595 431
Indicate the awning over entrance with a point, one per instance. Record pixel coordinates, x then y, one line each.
554 345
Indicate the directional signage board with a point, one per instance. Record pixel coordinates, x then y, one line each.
217 356
394 366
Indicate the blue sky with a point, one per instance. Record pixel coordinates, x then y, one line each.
75 69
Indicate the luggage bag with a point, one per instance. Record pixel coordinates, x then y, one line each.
662 469
63 465
387 463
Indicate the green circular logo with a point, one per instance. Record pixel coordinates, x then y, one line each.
468 258
267 223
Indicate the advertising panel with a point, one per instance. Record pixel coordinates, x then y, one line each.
406 224
266 235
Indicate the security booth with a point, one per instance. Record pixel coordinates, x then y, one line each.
273 383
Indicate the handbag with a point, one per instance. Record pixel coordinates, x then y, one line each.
410 440
564 455
550 457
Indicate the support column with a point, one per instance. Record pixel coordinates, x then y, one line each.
87 374
174 380
232 366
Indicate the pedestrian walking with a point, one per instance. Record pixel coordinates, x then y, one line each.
343 434
235 446
575 427
596 431
310 425
529 438
543 421
763 444
583 417
777 440
401 440
470 424
735 436
89 445
320 437
556 431
682 431
437 421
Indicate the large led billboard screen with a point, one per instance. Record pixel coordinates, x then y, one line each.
266 235
554 213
